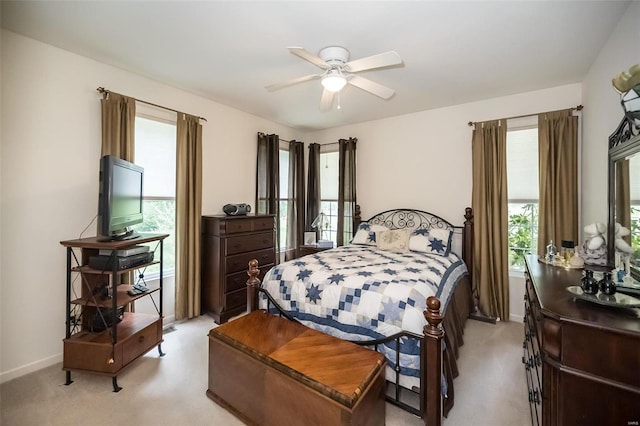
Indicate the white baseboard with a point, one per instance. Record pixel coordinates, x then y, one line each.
5 376
514 317
168 321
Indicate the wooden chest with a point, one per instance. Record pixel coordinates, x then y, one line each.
268 370
228 244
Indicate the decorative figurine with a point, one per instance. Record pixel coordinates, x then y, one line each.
607 286
588 283
594 249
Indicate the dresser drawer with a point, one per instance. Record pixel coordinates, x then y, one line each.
235 298
250 224
224 225
240 262
242 244
238 280
141 342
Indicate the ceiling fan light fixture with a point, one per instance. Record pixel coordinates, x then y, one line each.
334 81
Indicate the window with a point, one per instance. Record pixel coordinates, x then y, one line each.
329 195
155 150
284 200
523 192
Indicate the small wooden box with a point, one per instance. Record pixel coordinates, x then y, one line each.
268 370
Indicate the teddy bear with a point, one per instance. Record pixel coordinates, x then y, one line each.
621 245
594 249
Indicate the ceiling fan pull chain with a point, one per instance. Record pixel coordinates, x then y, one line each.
339 106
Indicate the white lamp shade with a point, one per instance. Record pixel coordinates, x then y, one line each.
333 81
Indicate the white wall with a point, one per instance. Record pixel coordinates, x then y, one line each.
49 176
603 112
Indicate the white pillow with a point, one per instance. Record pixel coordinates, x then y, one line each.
434 241
396 240
366 234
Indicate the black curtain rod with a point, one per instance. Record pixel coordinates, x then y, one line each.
336 143
578 108
106 92
321 144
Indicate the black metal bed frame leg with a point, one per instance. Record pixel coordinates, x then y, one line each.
116 388
160 350
69 381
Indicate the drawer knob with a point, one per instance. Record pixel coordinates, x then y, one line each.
140 339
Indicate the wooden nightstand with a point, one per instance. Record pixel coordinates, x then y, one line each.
310 249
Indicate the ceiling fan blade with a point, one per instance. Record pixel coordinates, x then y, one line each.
326 101
310 57
291 82
371 86
375 61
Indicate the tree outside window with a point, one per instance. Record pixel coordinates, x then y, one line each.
523 193
155 150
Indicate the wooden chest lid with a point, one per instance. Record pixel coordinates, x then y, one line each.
338 369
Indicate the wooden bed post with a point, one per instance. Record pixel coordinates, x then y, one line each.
253 284
431 359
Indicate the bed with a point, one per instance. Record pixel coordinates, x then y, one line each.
403 279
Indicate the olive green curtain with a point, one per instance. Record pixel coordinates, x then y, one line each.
118 126
490 208
346 189
188 215
313 187
558 163
118 137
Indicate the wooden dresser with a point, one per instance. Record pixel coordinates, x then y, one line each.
228 244
582 360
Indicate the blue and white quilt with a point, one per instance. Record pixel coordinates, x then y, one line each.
358 292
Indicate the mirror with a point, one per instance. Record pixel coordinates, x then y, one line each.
624 182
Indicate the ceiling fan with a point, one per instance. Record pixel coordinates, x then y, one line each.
338 72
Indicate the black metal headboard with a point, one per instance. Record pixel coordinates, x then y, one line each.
419 219
410 218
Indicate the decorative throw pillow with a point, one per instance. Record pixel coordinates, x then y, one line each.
434 241
366 234
394 240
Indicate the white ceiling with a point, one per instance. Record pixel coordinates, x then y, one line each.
454 52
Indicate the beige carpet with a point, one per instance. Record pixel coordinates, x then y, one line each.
490 390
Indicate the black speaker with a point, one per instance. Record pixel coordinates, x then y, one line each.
236 209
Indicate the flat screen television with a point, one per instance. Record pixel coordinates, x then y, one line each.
119 199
